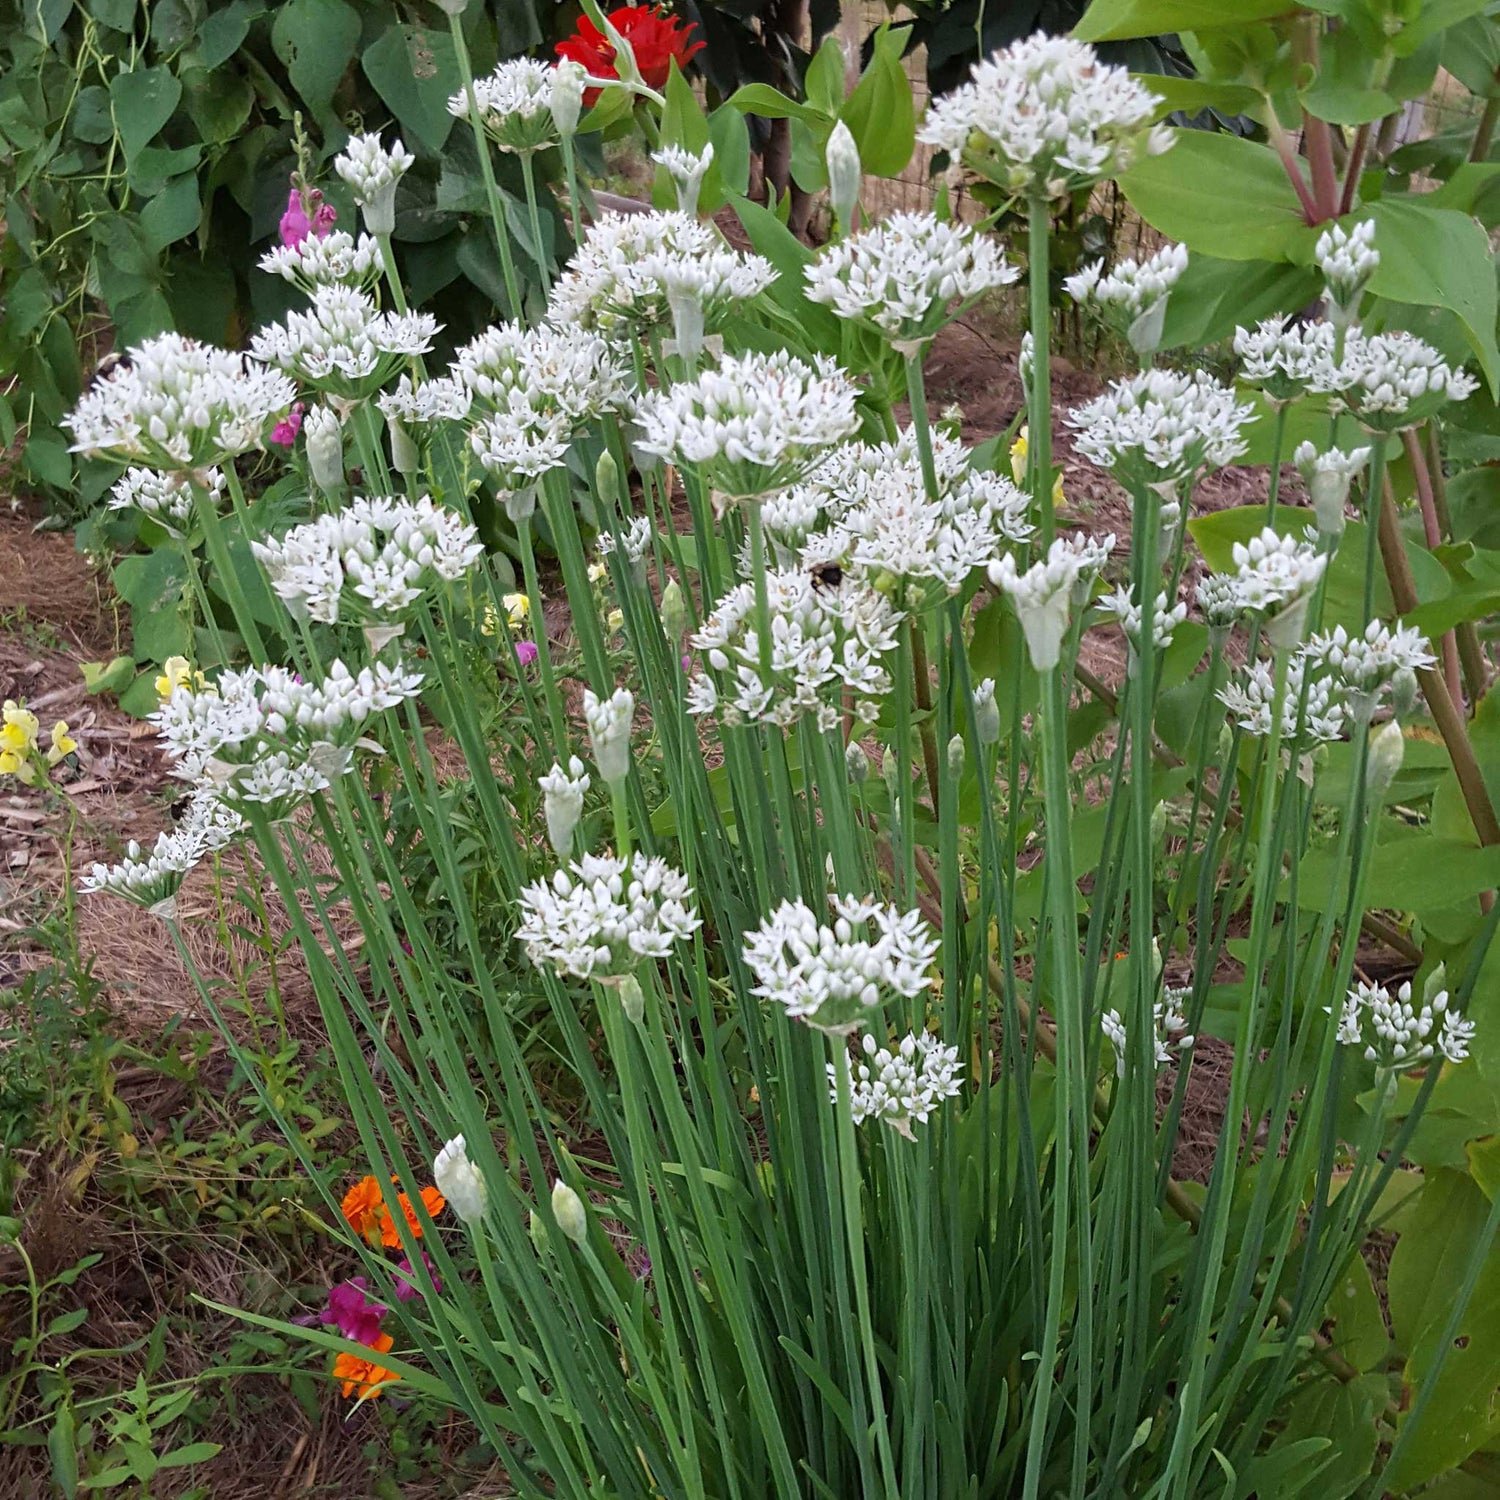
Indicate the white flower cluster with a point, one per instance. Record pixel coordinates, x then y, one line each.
834 975
908 276
603 918
1045 116
1287 359
1395 380
151 878
530 390
1165 617
1274 577
630 267
1133 286
265 736
371 560
900 1085
1401 1033
166 498
1169 1023
440 399
343 345
1311 711
1328 477
372 172
562 803
754 424
824 639
687 169
323 260
1347 259
177 404
608 721
1162 427
1045 595
1370 663
515 105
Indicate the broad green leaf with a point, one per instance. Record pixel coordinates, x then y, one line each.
415 71
48 460
1359 1325
1345 105
1439 257
173 214
1193 95
219 102
111 677
90 119
315 39
880 113
222 32
771 104
143 102
141 699
823 83
1119 20
1220 195
1342 1414
1410 870
1214 297
1471 52
1430 1262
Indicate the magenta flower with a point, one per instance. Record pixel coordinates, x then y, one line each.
306 213
352 1312
526 653
406 1285
284 433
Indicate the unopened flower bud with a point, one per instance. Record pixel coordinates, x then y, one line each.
1435 990
538 1228
1404 692
1387 751
562 802
325 449
460 1182
956 757
889 773
1158 823
608 721
1226 739
845 173
568 1210
567 94
673 610
687 323
857 763
986 712
520 505
453 7
607 477
632 998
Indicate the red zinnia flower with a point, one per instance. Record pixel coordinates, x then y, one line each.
655 36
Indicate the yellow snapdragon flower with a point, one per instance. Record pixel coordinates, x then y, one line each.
63 743
19 729
490 624
616 619
598 572
1020 452
517 609
176 672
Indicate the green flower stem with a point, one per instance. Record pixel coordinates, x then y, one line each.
534 220
1278 440
1373 498
218 553
392 276
921 422
555 713
1039 446
198 595
487 171
570 169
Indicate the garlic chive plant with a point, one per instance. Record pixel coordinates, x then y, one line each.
772 826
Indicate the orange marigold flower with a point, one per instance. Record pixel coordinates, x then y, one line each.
359 1374
389 1235
369 1218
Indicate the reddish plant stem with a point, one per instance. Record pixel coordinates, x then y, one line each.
1471 657
1316 134
1434 533
1283 145
1356 166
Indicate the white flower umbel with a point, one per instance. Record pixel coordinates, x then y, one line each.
1287 359
1395 1033
599 918
369 562
515 105
1371 662
608 721
343 345
166 498
441 399
622 280
1133 295
460 1181
687 169
1169 1025
900 1085
268 737
1275 576
1395 380
834 975
177 404
1219 600
562 803
754 424
320 260
1328 477
1347 259
825 639
1249 703
1162 427
921 551
372 172
1045 594
1045 117
908 277
148 878
209 821
1166 617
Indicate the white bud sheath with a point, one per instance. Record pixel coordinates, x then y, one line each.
567 1208
845 173
460 1182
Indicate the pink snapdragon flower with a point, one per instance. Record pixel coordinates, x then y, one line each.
406 1283
284 433
352 1312
526 653
306 213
